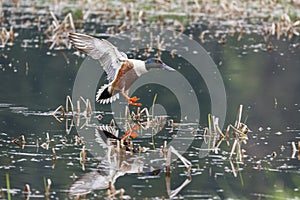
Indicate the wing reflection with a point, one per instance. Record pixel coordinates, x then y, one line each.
121 160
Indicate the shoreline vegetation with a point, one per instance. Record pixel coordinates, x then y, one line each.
278 19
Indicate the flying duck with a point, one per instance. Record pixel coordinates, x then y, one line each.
121 71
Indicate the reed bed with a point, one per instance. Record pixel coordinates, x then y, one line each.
220 19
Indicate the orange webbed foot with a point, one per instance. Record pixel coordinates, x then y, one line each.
130 132
132 101
135 104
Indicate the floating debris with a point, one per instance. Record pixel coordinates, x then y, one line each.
294 150
275 103
19 141
54 156
274 154
202 35
26 68
46 144
278 133
26 191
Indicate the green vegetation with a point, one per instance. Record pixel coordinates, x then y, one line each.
8 186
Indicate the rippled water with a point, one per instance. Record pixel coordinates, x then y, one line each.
36 80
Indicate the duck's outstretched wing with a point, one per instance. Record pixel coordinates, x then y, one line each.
102 50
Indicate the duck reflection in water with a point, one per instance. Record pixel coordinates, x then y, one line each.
122 159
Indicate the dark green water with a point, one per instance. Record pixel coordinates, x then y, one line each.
253 76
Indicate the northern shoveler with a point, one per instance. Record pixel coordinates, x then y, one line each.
121 71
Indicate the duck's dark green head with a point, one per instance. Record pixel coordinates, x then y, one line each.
157 63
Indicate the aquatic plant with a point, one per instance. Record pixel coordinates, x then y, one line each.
213 134
47 185
8 186
6 36
19 141
58 33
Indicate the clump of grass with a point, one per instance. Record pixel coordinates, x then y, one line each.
239 132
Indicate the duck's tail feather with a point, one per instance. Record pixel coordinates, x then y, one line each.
109 131
104 96
105 132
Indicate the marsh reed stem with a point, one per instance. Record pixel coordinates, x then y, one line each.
8 186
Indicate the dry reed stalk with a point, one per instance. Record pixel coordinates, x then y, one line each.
68 99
